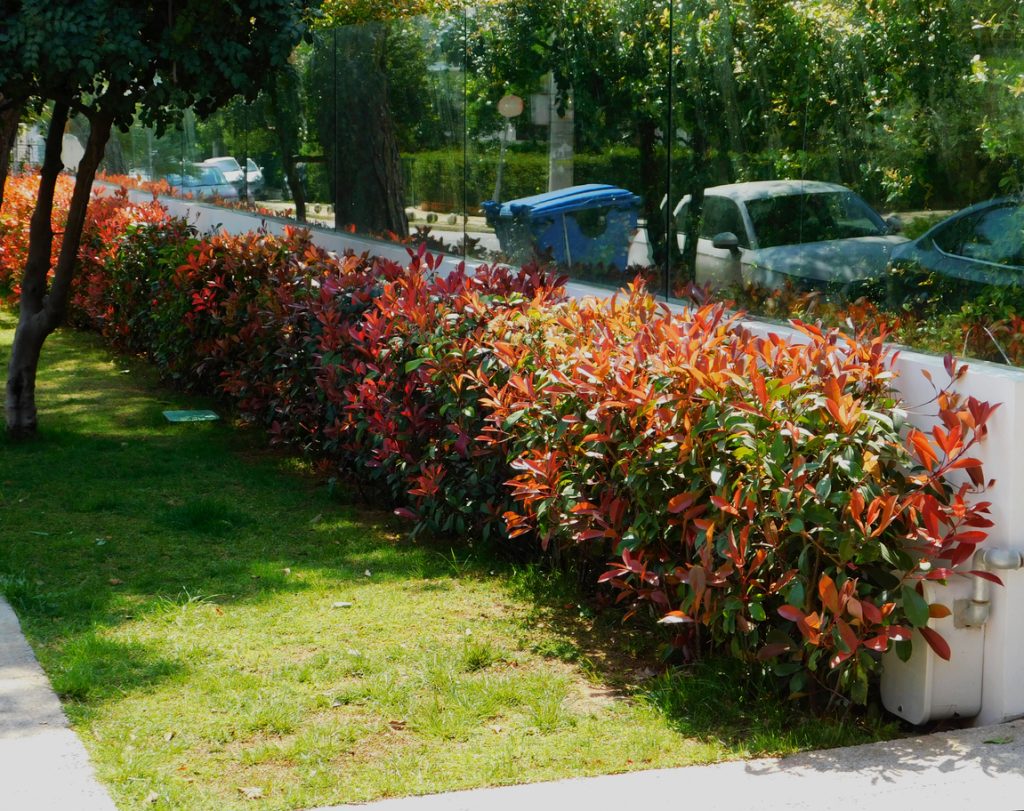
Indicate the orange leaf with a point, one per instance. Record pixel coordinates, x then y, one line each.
937 611
680 502
829 595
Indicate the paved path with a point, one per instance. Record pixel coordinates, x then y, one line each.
980 769
43 765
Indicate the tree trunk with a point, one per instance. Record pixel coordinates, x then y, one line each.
369 190
114 159
285 109
652 181
9 119
41 311
32 329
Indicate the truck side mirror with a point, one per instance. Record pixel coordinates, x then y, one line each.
726 241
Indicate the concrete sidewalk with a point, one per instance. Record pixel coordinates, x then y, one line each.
980 769
44 767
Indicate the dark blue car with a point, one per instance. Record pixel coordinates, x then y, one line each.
975 249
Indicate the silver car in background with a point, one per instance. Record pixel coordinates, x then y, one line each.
808 234
201 182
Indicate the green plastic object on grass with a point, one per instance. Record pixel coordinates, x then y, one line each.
191 416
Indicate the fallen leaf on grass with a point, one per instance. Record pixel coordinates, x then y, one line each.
169 737
251 792
396 725
342 605
115 581
151 798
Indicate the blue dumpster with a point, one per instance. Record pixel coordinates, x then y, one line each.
578 225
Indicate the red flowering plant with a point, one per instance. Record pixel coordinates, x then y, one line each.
761 496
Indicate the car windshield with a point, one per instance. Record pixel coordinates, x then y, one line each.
795 219
226 164
209 176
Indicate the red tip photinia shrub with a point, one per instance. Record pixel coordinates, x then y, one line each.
755 491
758 495
19 204
413 410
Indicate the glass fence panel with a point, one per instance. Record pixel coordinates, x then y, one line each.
429 91
822 142
565 157
385 110
860 160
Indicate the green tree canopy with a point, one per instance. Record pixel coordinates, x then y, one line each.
110 60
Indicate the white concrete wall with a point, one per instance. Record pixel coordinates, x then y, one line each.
1002 671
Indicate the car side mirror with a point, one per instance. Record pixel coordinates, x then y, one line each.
894 223
726 241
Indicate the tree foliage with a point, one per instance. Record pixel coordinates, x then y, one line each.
110 61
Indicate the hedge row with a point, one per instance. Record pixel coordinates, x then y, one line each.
760 497
437 177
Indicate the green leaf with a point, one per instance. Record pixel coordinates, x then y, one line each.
903 649
914 606
414 364
513 418
859 689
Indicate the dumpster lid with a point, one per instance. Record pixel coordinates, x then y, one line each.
572 198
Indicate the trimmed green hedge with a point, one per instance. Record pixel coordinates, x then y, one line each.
437 177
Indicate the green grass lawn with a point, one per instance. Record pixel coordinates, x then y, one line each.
220 625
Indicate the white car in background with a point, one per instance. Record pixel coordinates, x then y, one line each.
254 177
250 182
812 235
230 168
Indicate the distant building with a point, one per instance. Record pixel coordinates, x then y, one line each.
28 146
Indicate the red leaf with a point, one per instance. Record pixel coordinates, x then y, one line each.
871 612
897 633
992 578
680 502
791 613
878 643
924 448
675 618
936 643
848 636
